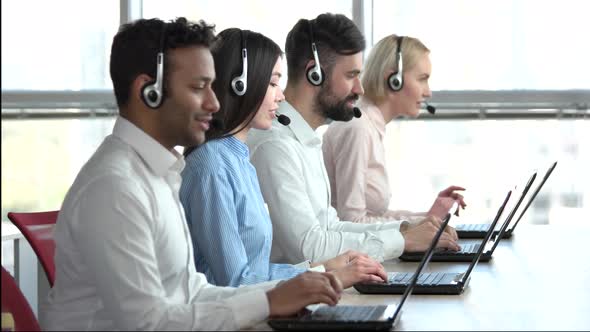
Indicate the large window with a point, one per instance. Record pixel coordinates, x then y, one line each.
68 52
489 158
40 159
57 44
273 19
495 45
64 46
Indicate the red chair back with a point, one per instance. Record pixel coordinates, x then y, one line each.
16 311
37 227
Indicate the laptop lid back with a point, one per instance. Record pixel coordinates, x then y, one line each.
534 194
498 237
525 190
486 239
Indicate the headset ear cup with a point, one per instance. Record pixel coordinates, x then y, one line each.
150 95
313 76
394 81
238 86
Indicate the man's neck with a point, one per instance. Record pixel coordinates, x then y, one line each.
302 99
148 126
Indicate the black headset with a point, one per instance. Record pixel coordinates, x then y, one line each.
152 93
396 80
239 84
315 75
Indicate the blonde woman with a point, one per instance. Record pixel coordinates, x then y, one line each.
395 80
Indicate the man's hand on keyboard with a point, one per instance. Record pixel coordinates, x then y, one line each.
341 260
361 268
292 295
418 237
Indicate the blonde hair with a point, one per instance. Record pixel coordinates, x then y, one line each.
383 59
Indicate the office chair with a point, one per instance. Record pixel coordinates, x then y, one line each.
16 311
37 227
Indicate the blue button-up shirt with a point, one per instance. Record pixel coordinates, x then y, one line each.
229 224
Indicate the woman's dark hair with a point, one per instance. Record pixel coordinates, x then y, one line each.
136 45
236 112
334 34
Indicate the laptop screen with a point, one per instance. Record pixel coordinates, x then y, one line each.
486 239
525 190
498 237
534 193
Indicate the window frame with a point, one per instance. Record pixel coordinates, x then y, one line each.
460 104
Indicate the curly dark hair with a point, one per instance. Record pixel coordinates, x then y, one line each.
136 45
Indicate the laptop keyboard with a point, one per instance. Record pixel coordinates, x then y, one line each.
349 313
470 248
473 227
466 249
423 279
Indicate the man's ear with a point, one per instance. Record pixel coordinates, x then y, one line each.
310 64
138 84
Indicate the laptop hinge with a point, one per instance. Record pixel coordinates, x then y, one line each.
459 279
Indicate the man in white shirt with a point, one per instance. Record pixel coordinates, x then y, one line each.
324 60
124 257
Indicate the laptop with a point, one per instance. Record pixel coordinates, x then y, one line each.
347 317
431 283
469 251
478 231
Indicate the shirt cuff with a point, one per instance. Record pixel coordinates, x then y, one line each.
249 308
306 265
265 286
319 268
411 217
393 243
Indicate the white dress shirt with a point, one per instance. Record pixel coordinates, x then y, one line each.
294 183
124 258
354 154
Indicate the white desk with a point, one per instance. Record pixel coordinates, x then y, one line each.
530 284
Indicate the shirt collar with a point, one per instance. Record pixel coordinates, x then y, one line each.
302 130
236 146
157 157
374 115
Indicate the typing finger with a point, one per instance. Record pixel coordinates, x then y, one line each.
323 298
452 232
376 278
446 241
378 272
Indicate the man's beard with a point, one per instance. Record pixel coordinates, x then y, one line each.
330 107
